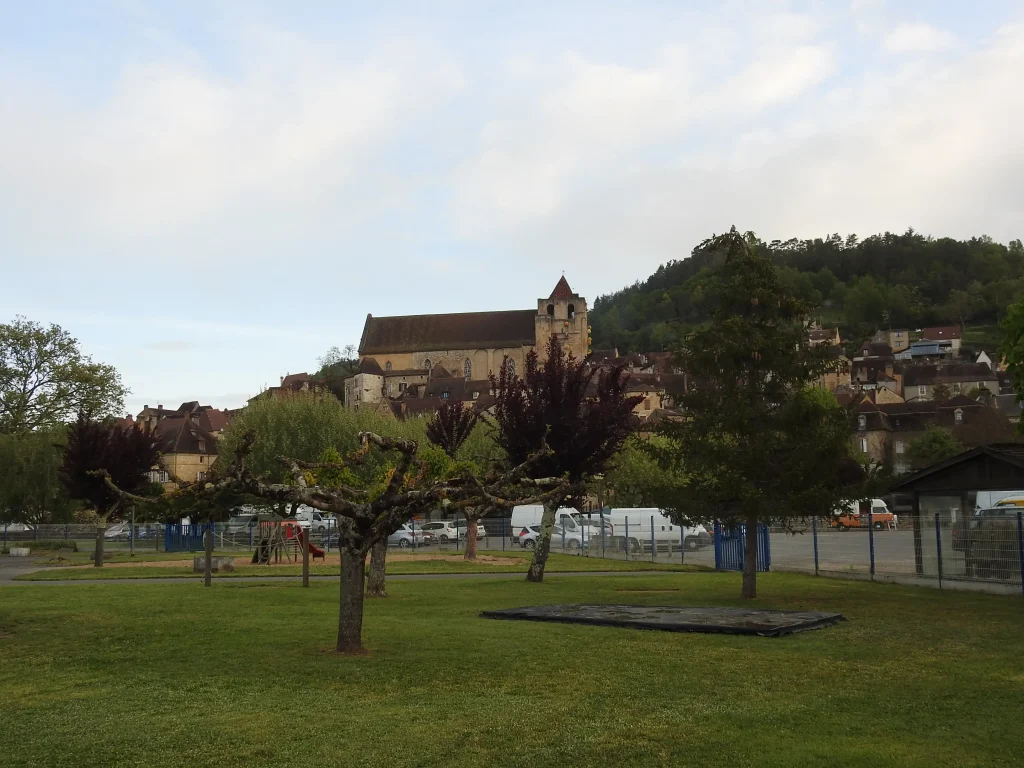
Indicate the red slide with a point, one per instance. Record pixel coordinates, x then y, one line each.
315 551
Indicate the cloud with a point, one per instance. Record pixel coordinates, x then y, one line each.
888 148
918 37
180 141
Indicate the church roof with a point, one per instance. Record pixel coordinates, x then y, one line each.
562 290
464 330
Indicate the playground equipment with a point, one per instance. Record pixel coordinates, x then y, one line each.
277 537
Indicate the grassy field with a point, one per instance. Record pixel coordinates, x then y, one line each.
426 563
242 675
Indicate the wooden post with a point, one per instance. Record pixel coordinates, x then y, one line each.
304 542
208 565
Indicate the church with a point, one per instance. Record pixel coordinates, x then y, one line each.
403 353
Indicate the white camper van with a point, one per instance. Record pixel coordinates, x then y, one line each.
530 514
646 525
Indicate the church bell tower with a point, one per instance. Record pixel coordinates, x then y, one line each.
563 314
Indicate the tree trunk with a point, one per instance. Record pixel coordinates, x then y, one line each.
750 559
101 530
375 586
350 613
543 544
471 528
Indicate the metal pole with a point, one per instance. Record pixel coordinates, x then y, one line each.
5 533
652 539
413 522
208 567
938 546
1020 549
682 544
602 532
627 538
131 535
871 543
814 533
504 534
563 538
304 542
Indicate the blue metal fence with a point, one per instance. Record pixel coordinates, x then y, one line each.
729 548
185 538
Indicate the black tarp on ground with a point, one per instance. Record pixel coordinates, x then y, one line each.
732 621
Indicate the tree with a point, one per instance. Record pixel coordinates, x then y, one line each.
581 413
935 445
95 450
335 366
634 478
959 306
369 515
757 442
1012 349
449 429
941 392
30 490
45 379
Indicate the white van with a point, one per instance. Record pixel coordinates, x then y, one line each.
530 514
308 517
639 523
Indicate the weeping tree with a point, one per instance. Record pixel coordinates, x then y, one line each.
450 430
124 454
367 516
756 443
581 413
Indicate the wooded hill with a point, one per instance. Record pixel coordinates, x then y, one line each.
884 281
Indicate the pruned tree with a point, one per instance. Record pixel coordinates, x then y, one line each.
125 455
581 413
367 516
756 442
45 379
449 429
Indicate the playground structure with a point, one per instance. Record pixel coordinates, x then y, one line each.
277 537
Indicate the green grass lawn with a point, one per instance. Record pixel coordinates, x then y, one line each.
242 675
557 563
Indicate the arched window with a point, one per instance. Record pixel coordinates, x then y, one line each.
467 368
551 310
387 366
958 415
426 363
572 311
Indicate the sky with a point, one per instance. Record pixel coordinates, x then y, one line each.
209 195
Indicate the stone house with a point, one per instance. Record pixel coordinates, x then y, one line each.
818 336
920 380
948 333
897 338
187 449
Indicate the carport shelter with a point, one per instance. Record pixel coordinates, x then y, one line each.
996 467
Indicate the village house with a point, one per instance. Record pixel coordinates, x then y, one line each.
884 431
829 336
943 333
921 380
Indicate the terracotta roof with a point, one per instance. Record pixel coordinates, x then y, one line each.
941 332
294 378
440 372
371 366
562 290
213 420
820 334
456 387
466 330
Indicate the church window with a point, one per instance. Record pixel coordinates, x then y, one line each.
444 395
387 366
551 310
426 363
958 415
572 311
467 368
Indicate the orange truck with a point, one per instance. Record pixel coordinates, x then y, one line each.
853 517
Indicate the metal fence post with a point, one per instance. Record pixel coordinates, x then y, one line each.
627 538
602 532
208 560
871 543
814 534
563 538
938 546
682 544
413 523
504 533
653 548
5 534
1020 549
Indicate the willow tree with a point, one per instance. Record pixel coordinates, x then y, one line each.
755 442
580 412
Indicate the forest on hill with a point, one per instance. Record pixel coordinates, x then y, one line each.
884 281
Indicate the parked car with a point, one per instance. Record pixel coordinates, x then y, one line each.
405 537
644 524
463 527
239 525
881 517
312 519
989 542
118 532
527 537
442 530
